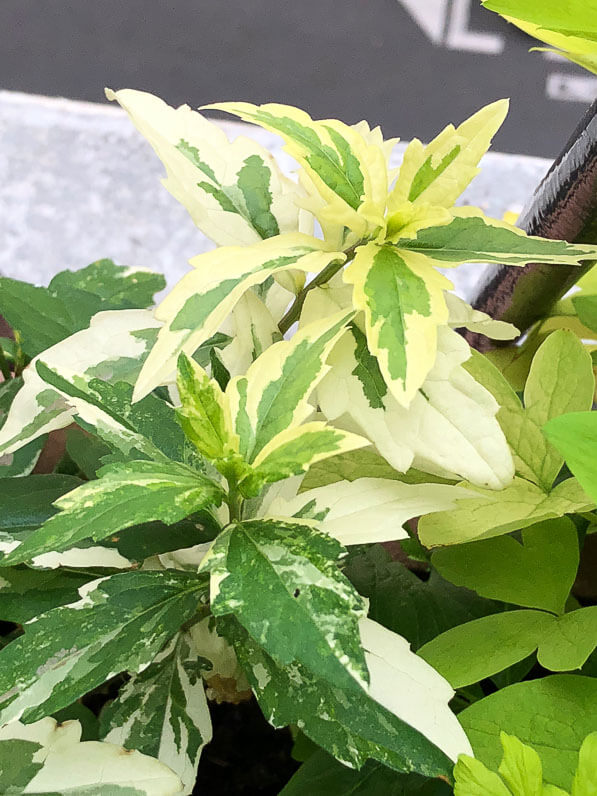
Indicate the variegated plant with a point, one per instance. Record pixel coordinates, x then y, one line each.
228 478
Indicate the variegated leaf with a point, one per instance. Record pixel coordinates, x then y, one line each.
294 450
234 192
113 347
471 237
273 396
124 495
402 296
163 712
50 758
366 510
449 429
119 624
383 720
438 173
493 513
204 414
147 429
282 583
345 165
198 305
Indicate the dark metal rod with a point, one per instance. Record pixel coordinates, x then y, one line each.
563 207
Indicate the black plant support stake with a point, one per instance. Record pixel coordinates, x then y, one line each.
563 207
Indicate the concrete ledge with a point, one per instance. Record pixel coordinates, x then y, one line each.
77 183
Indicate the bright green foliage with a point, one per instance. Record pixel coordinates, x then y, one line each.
521 774
553 715
575 436
123 495
119 623
563 643
494 513
560 381
163 711
282 584
569 27
478 649
538 573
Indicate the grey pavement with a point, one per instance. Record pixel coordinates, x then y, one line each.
409 65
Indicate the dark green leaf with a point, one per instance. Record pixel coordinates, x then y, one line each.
17 767
118 286
416 609
322 775
26 593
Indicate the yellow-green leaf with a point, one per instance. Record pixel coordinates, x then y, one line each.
402 297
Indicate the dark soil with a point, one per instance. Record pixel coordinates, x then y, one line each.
246 755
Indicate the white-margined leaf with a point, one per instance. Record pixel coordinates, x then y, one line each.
49 757
113 348
119 624
366 510
199 304
344 165
124 495
383 720
234 191
471 237
273 395
402 297
449 429
163 711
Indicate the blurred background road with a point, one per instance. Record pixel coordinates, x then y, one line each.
409 65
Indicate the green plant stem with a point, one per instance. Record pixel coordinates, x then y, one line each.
322 277
234 501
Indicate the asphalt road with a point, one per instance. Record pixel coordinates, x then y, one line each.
409 65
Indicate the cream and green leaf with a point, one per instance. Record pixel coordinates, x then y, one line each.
120 623
282 584
163 711
112 348
123 495
365 510
450 427
255 430
348 171
234 191
199 304
50 757
419 734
